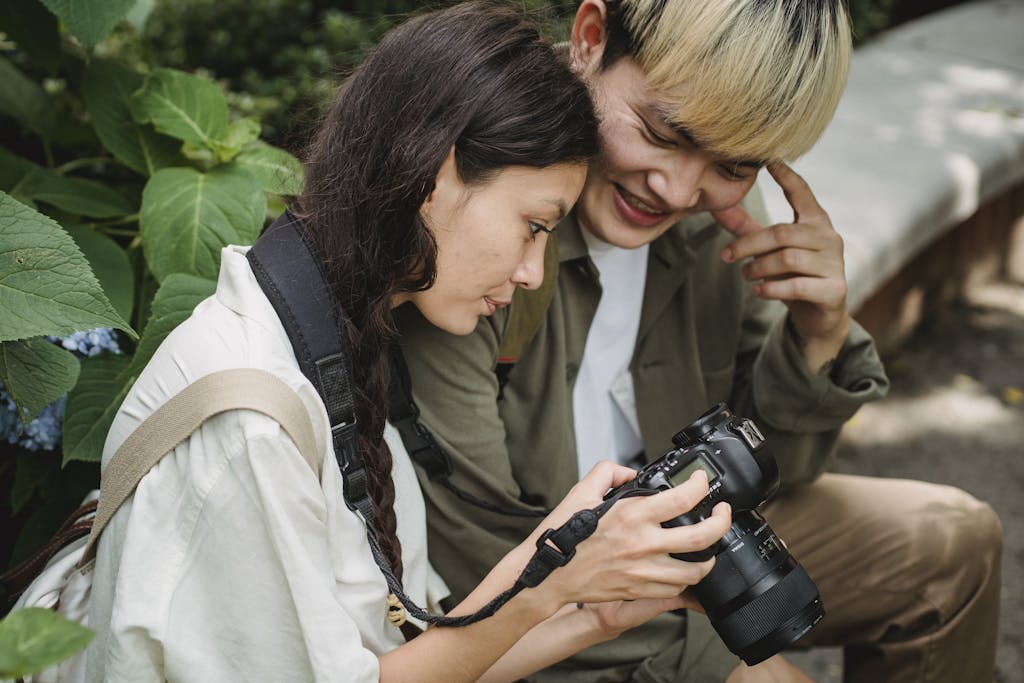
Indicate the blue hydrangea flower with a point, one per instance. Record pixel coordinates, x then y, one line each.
90 342
44 432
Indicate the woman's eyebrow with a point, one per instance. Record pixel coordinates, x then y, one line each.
558 204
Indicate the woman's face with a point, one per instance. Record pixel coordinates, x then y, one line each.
490 238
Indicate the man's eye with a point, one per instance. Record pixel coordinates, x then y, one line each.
659 139
731 172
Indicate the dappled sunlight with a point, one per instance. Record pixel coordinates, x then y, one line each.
963 407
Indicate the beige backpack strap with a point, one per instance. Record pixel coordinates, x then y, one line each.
529 308
174 421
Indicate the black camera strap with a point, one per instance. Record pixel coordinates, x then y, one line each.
292 278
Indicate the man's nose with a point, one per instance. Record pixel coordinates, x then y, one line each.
678 182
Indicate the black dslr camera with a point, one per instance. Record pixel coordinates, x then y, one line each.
758 598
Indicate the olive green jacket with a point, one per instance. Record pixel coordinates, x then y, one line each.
703 338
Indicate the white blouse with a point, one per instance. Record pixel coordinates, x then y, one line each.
233 560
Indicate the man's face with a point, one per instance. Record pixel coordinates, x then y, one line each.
649 174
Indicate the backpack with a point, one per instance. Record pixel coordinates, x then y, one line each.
65 582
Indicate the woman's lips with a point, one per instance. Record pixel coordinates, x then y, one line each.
494 304
636 211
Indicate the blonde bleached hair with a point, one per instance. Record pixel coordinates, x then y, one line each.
750 79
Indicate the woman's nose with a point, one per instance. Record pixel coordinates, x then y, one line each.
530 271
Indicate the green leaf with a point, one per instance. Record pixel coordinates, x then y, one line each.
23 99
110 264
34 638
34 29
240 133
139 14
36 372
24 180
183 106
102 385
82 197
46 286
107 88
30 474
275 170
187 217
106 379
90 20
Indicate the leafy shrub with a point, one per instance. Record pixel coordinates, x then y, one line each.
120 181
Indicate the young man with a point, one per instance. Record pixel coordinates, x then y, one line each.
671 296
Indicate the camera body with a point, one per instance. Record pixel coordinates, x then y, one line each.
758 597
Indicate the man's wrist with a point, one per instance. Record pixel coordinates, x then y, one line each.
820 354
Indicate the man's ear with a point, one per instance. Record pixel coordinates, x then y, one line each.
589 36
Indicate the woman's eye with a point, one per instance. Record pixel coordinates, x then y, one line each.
731 172
537 228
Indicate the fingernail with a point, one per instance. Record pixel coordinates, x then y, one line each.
727 255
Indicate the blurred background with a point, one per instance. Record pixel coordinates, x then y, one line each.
955 415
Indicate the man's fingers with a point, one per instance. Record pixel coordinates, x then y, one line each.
790 262
779 236
736 220
816 290
798 193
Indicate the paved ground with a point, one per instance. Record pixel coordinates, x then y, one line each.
955 416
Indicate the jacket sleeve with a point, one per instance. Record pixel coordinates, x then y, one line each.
803 412
456 390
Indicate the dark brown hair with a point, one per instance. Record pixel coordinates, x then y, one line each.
476 77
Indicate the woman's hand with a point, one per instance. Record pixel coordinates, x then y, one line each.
627 557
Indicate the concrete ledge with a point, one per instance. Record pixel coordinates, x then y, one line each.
929 130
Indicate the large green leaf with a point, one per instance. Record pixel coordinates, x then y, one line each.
34 638
36 372
107 88
183 106
187 217
34 29
105 380
102 385
110 264
275 170
46 286
24 180
23 99
90 20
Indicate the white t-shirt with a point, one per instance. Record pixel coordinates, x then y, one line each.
603 402
233 560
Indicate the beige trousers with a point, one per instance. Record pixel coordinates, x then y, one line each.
909 574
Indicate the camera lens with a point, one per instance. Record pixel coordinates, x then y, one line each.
758 598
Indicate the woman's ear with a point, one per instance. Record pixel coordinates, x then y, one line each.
589 37
445 187
445 179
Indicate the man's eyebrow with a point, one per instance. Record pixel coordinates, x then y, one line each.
688 135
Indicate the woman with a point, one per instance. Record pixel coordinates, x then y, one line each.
433 182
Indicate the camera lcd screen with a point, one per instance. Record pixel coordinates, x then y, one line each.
698 464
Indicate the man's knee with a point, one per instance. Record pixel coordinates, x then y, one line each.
965 554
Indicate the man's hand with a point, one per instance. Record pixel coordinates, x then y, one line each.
798 263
